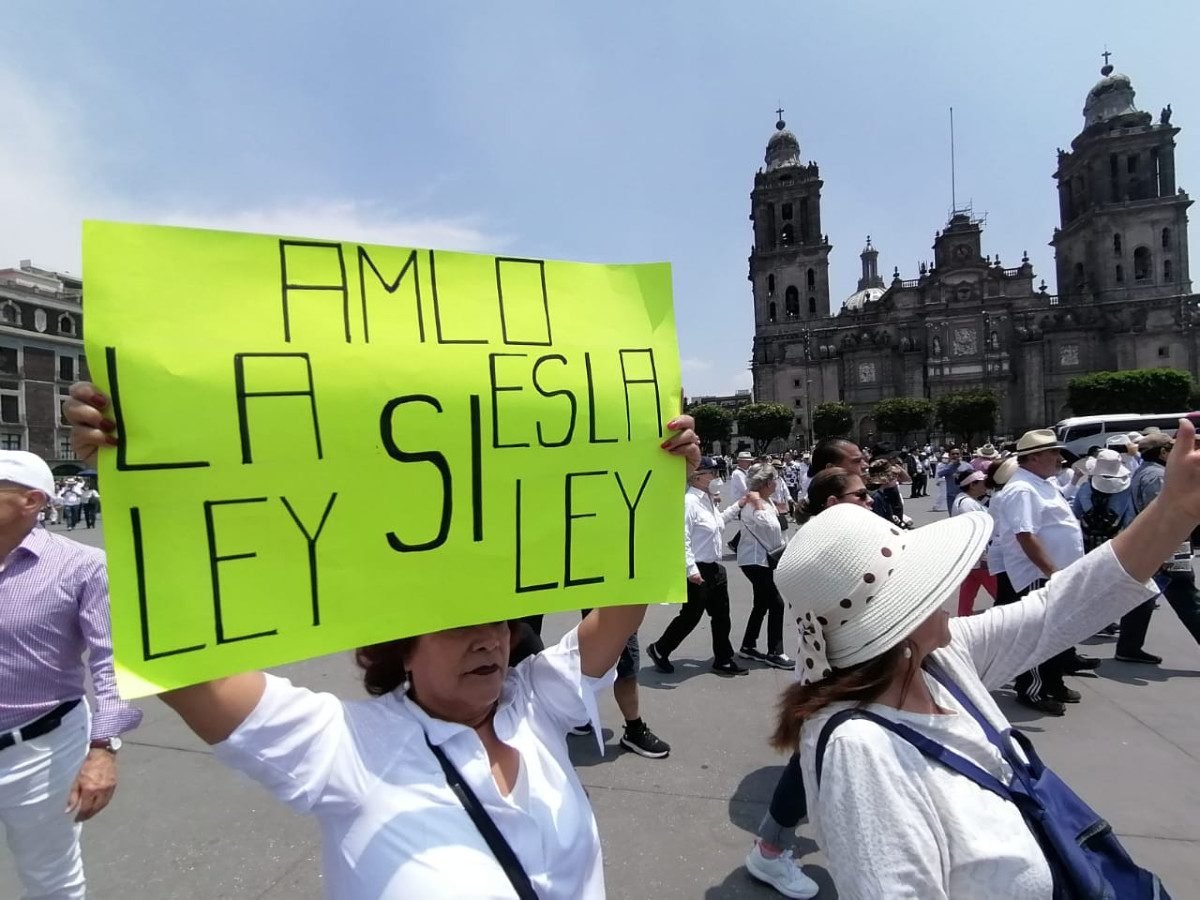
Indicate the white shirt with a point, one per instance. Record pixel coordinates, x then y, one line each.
735 489
781 496
965 503
894 823
702 528
390 826
1034 505
762 524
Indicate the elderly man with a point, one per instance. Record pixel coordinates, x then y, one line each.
58 763
1036 535
735 488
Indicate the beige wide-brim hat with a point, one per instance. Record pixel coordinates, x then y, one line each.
862 585
1038 440
988 451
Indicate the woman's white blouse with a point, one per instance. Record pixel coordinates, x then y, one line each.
894 823
762 524
390 826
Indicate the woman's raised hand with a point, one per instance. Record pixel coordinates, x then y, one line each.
684 441
91 428
1182 486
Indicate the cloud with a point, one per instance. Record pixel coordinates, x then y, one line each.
690 365
50 186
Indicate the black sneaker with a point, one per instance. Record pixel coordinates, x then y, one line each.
729 667
660 662
1064 694
752 653
581 730
644 742
780 661
1081 663
1109 630
1043 705
1138 656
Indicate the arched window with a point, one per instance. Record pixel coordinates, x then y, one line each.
1141 264
785 235
1120 274
9 314
1166 270
66 325
812 306
1116 245
812 279
770 285
1080 278
792 301
786 214
1166 238
771 311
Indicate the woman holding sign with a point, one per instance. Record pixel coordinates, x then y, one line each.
454 780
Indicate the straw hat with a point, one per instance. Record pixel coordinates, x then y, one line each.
1036 441
1110 475
1005 470
988 451
745 454
861 585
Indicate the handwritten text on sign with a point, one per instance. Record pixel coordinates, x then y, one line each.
328 444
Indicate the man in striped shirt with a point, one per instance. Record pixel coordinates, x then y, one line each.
57 760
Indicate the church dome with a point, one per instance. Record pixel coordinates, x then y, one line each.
1110 97
783 149
859 299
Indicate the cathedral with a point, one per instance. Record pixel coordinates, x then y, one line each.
965 321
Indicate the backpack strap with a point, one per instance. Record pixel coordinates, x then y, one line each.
927 746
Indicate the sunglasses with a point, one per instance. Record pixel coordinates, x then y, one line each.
861 494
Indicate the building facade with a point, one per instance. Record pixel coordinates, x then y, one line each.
967 321
41 353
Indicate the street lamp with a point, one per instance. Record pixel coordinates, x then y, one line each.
808 428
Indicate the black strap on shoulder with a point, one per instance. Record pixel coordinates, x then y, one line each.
495 840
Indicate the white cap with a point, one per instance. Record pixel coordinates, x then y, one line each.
26 469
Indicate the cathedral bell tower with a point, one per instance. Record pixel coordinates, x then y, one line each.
789 264
1123 221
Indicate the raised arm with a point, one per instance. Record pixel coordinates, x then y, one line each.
214 709
603 633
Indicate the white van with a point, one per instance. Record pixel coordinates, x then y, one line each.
1080 433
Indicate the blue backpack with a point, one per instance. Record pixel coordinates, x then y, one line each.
1086 859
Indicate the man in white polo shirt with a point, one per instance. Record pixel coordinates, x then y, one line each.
735 488
1036 535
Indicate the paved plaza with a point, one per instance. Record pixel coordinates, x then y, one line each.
182 827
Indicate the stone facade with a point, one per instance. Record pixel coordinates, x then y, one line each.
966 321
41 353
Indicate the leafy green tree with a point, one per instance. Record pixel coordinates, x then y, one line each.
832 419
968 414
713 423
764 422
1136 391
901 416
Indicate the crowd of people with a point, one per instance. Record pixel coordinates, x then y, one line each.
454 778
73 499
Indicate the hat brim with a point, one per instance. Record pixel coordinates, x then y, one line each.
1054 446
1111 484
935 560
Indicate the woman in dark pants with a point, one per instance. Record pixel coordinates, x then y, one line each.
768 860
760 534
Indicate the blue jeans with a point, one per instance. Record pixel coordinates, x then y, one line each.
1180 591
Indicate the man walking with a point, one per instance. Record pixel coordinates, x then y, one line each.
58 763
1036 535
707 588
1175 579
735 488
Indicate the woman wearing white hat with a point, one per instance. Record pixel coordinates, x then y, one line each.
1104 505
893 822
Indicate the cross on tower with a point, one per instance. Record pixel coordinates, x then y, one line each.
1106 55
779 113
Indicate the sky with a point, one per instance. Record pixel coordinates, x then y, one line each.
616 132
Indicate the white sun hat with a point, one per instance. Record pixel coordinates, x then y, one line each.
26 469
1109 474
861 585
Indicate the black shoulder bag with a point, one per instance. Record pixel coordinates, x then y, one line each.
495 840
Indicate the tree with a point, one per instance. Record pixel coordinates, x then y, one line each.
764 422
903 415
1136 391
966 414
713 423
831 419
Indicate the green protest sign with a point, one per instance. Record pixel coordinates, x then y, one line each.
330 444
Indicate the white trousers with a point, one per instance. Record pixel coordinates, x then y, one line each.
35 779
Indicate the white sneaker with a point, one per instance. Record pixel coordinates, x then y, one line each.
781 873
